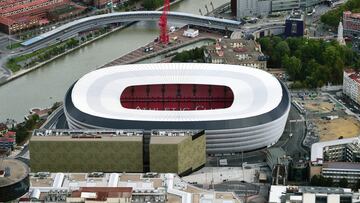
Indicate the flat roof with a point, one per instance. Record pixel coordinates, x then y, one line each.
342 165
167 140
103 138
17 171
256 92
317 149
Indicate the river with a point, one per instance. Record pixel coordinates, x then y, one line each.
46 85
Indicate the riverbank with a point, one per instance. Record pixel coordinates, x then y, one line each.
25 71
39 65
177 41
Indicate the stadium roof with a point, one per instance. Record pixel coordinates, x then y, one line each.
255 91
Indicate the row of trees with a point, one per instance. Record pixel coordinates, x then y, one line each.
309 63
319 180
332 18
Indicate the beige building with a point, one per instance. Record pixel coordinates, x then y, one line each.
106 150
236 52
101 194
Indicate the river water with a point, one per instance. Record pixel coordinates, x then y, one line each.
46 85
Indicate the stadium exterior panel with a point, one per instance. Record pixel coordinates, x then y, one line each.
254 118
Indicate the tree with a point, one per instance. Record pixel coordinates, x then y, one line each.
319 180
266 45
343 182
293 66
357 185
315 180
281 50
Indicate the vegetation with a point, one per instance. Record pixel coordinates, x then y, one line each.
13 45
308 62
192 55
152 4
343 183
357 185
40 55
23 130
319 180
332 18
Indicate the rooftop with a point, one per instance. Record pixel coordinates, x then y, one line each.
317 149
133 185
342 166
352 15
232 50
15 171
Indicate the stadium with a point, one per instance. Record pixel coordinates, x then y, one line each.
241 108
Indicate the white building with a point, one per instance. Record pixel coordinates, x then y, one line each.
307 194
191 33
351 85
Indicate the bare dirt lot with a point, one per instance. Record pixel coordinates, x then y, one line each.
321 107
346 127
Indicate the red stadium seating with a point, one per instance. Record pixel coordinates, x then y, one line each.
176 96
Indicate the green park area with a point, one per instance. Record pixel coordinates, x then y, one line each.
333 17
40 55
309 63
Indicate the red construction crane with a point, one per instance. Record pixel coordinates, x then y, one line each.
164 36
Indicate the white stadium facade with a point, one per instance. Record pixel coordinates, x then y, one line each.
240 108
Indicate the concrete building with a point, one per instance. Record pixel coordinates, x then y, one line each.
119 187
246 8
341 170
351 24
351 85
308 194
242 8
165 151
236 52
336 159
295 25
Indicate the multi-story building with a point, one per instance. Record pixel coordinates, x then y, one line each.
353 152
252 8
308 194
236 52
24 14
351 23
242 8
295 25
7 140
165 151
351 85
284 5
341 170
336 159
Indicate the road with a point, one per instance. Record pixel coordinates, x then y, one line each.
292 145
70 29
295 126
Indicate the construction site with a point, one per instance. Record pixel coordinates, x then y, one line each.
327 118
